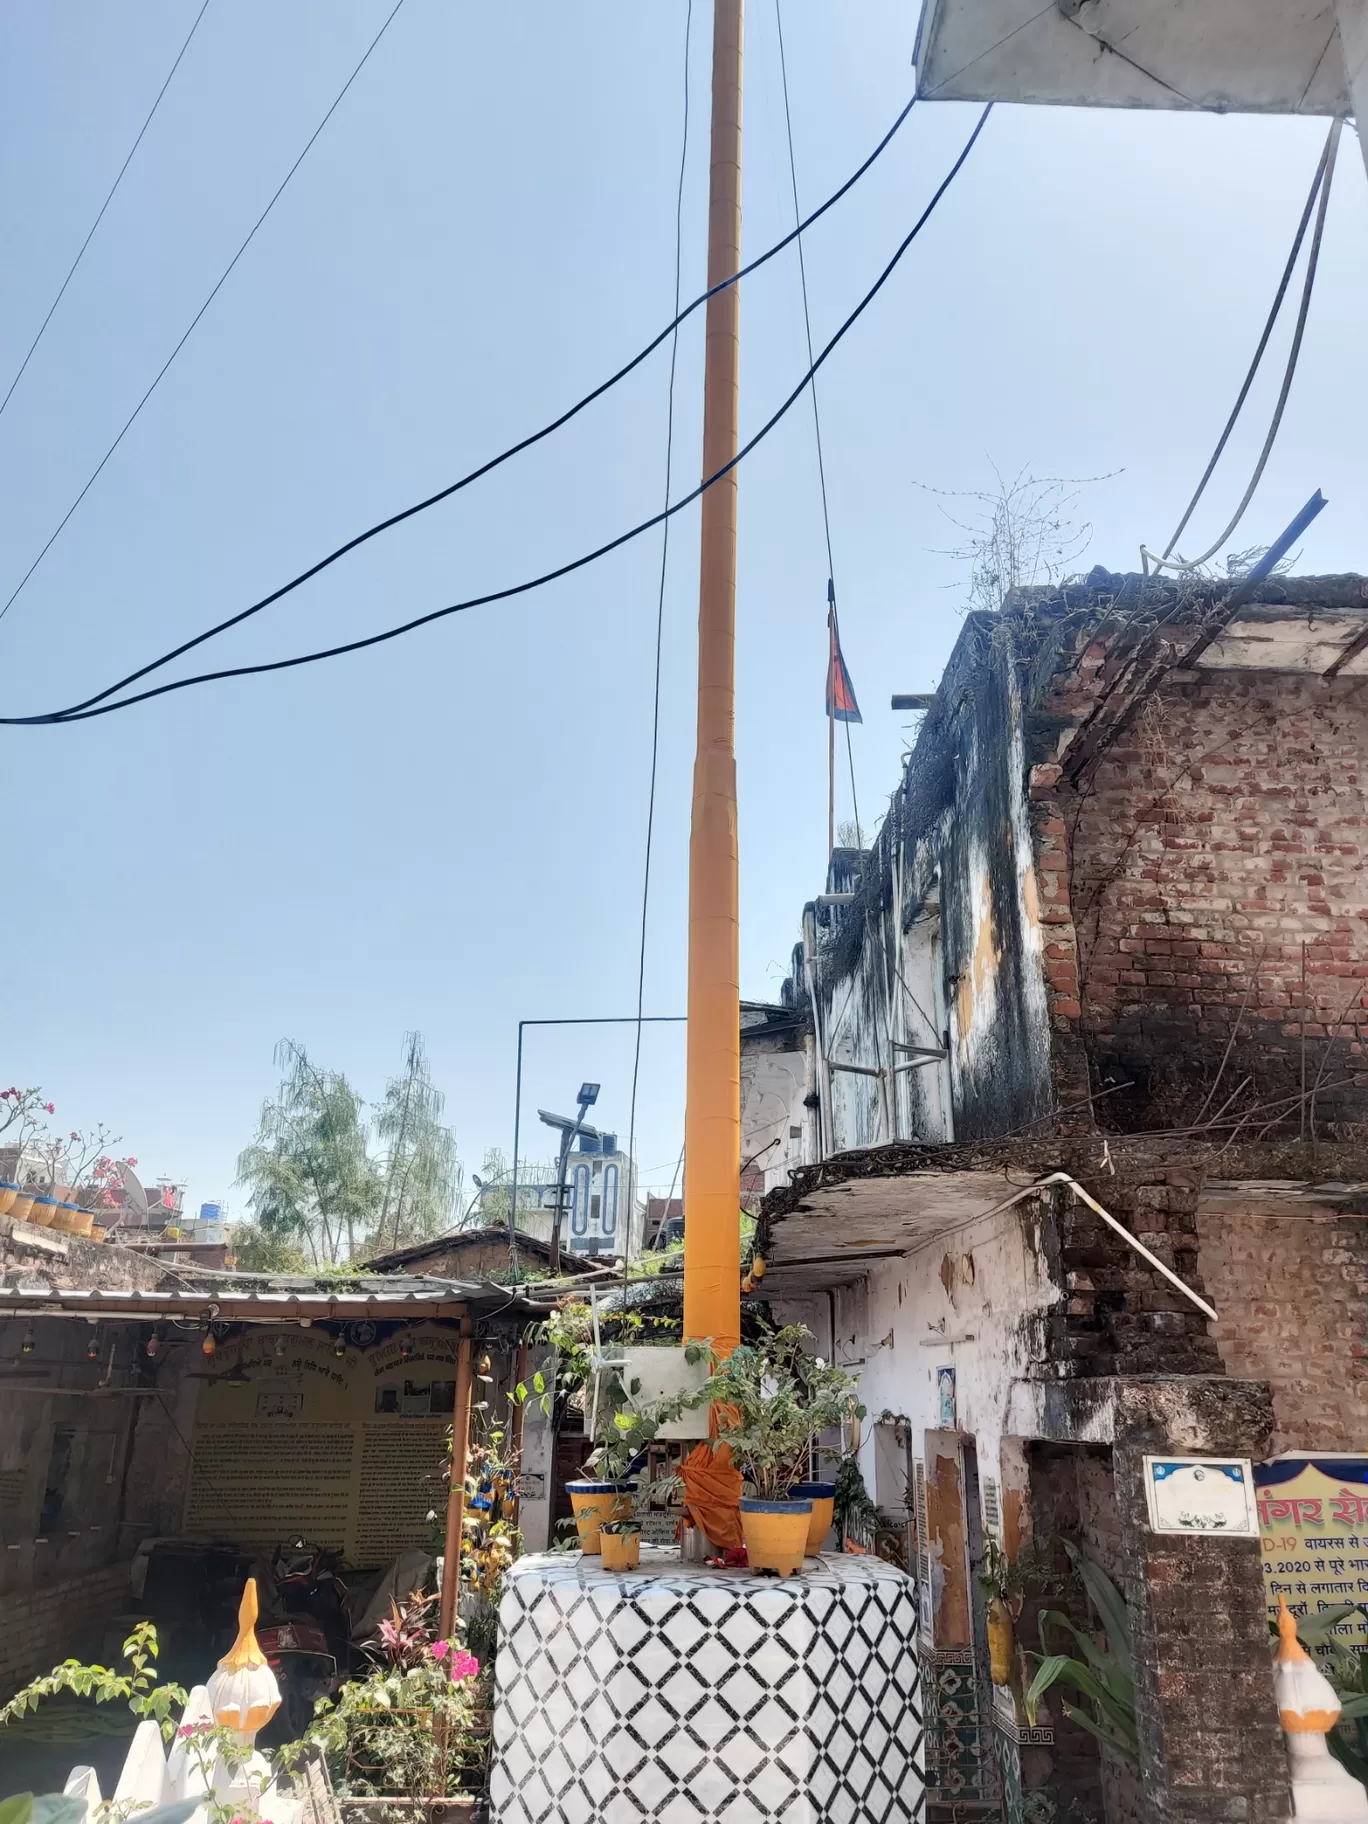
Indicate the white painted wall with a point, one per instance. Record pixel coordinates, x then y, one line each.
895 1328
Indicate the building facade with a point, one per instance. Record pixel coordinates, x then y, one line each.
1083 1103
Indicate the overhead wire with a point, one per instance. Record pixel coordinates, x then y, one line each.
194 321
514 449
816 414
660 619
1320 189
80 255
81 713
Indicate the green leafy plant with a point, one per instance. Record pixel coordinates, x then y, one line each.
1103 1677
404 1729
138 1686
773 1402
58 1808
853 1509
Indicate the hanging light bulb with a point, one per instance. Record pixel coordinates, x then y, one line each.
153 1348
405 1350
339 1344
26 1347
93 1347
208 1346
279 1347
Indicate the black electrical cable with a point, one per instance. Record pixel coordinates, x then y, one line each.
71 274
514 449
1320 186
816 415
194 321
78 713
660 628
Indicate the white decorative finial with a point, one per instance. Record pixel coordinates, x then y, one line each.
243 1692
1308 1709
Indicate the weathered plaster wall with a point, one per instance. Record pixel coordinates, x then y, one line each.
779 1127
976 1302
93 1459
945 936
71 1261
1292 1293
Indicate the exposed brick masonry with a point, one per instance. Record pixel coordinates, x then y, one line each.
1224 831
46 1625
1119 1315
1291 1294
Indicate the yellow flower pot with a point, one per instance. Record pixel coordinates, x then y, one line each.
43 1215
620 1551
8 1194
22 1207
823 1498
78 1221
593 1503
776 1534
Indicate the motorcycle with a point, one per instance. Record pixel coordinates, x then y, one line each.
307 1637
297 1651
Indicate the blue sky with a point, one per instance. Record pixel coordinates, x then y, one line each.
447 833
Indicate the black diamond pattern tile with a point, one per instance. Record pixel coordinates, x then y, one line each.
691 1696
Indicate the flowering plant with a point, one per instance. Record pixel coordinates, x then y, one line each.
21 1122
72 1160
406 1727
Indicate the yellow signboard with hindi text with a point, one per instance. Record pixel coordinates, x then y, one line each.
1313 1527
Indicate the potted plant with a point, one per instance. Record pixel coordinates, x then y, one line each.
620 1544
772 1402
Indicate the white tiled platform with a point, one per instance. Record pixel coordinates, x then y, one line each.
683 1695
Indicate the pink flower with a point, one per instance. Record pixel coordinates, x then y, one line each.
131 1162
74 1134
185 1731
440 1649
51 1107
463 1665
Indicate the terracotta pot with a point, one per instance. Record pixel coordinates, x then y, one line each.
620 1551
8 1193
823 1498
1001 1642
78 1221
776 1534
43 1215
593 1503
22 1207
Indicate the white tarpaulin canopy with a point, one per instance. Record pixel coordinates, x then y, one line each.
1245 56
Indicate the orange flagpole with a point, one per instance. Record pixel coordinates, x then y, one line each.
712 1120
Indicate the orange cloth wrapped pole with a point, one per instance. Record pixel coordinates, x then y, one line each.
712 1494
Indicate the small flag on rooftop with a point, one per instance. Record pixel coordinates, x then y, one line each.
840 693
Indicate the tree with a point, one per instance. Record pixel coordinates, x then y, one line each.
494 1184
258 1250
421 1173
310 1176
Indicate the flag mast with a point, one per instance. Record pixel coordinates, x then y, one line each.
712 1119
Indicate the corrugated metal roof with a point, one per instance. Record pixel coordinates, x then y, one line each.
277 1297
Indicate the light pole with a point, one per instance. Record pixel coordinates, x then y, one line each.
588 1095
712 1115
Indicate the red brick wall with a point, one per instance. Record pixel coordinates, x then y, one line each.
1224 831
1291 1293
